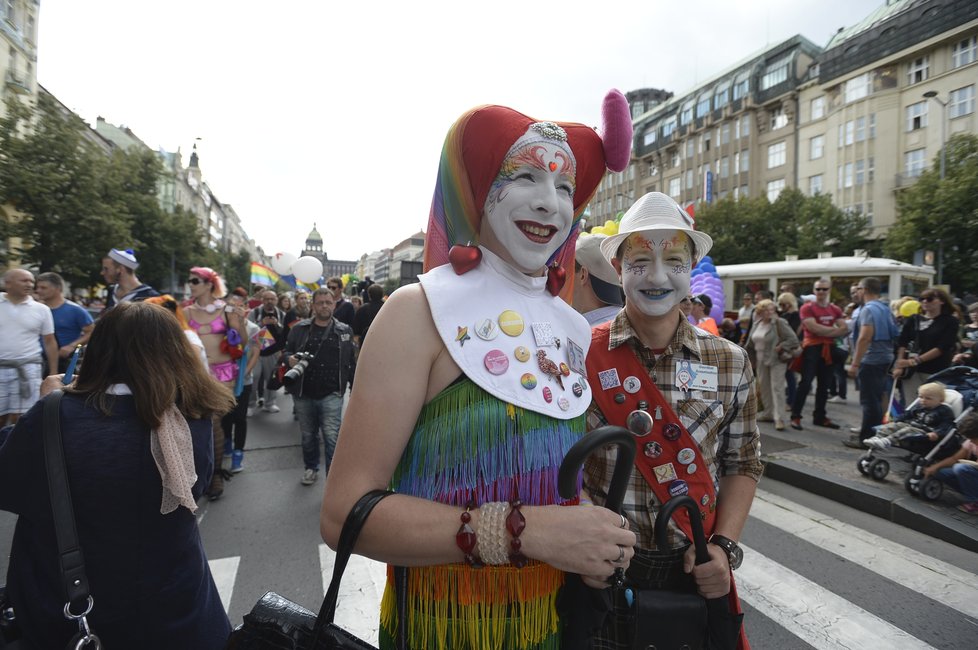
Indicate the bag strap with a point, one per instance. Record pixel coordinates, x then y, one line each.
69 551
348 539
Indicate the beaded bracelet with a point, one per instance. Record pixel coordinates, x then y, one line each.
465 539
515 523
491 537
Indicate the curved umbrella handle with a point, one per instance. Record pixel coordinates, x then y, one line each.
699 537
607 435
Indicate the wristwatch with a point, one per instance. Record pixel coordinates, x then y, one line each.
735 554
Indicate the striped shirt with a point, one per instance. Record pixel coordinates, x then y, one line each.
722 423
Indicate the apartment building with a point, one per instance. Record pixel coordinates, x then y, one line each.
881 100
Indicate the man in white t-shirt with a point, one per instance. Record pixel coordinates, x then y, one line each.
25 323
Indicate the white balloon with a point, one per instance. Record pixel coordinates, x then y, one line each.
307 269
282 263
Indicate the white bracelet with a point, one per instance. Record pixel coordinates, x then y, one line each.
491 537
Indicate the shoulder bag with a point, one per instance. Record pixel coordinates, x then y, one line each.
70 559
786 355
276 623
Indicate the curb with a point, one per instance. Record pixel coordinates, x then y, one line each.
905 511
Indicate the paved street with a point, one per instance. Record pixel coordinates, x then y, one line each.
817 573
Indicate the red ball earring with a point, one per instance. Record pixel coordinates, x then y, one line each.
556 276
464 258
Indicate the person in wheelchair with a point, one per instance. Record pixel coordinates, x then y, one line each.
926 421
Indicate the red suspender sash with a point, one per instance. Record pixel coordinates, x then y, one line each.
668 457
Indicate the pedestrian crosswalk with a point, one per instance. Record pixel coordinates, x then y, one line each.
807 610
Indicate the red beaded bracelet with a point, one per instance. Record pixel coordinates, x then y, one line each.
515 523
465 539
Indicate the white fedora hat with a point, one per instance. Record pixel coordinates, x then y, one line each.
656 211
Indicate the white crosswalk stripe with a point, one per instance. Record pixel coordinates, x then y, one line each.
810 612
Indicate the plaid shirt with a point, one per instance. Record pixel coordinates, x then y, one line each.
722 423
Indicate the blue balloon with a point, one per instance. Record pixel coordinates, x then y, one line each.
707 266
695 272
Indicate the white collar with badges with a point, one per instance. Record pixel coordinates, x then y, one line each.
511 337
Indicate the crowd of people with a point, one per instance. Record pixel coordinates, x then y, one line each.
490 369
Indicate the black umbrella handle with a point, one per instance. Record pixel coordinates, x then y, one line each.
662 521
591 441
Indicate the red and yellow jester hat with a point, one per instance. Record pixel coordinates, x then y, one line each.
474 150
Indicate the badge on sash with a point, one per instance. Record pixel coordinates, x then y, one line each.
609 379
684 375
575 357
705 377
543 335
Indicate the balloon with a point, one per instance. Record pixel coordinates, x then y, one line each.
707 266
695 272
717 314
282 263
307 269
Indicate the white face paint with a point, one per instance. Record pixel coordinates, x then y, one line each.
530 207
655 268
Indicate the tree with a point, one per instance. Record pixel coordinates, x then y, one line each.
752 229
55 178
935 214
237 270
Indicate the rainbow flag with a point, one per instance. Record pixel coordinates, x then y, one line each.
895 408
264 276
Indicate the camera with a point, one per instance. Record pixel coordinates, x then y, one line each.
295 372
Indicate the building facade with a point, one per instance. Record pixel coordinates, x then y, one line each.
331 268
882 99
18 50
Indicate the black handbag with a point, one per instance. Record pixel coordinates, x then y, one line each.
276 623
72 563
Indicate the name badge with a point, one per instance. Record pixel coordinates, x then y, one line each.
706 377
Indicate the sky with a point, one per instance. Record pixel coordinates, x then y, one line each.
334 113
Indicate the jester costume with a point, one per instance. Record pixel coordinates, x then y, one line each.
501 430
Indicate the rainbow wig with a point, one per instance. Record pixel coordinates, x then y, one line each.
474 150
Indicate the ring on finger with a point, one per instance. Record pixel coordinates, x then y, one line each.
621 554
624 522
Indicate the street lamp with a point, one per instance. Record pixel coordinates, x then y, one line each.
932 94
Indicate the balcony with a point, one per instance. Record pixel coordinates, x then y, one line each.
17 83
904 181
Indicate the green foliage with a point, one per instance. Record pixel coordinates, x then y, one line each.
78 202
752 229
935 213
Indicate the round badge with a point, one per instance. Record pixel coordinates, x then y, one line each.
577 390
496 362
619 398
522 353
511 323
548 395
631 384
563 403
643 405
487 330
564 369
528 381
686 456
652 449
678 488
671 431
691 468
705 500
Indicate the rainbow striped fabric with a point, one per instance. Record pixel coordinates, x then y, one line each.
470 446
264 276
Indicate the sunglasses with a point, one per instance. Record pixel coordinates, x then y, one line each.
928 298
195 281
821 289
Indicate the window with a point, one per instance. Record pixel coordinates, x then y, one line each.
705 142
870 169
668 127
675 187
860 129
815 184
689 179
914 162
872 125
776 154
917 116
690 147
637 110
918 70
653 170
686 114
776 72
964 52
743 190
774 189
675 160
857 87
745 160
745 126
962 102
779 118
649 136
844 176
816 147
818 107
741 85
725 133
860 169
722 95
11 13
724 167
703 105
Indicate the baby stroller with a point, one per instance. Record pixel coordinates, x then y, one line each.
961 395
